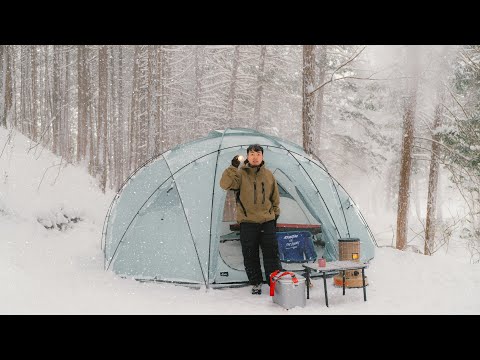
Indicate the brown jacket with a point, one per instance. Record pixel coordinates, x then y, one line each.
258 199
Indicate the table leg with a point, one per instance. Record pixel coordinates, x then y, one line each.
343 282
308 283
325 287
364 290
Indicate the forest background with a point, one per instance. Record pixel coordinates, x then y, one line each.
397 125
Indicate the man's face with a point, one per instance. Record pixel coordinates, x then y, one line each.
255 158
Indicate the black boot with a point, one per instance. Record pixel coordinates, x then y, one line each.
257 289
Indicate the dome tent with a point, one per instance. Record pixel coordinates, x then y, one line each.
170 220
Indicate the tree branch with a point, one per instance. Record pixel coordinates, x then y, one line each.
458 103
341 66
9 137
348 61
472 63
443 145
40 183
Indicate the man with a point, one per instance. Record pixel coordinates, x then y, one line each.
258 209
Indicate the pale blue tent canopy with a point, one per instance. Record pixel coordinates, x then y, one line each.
172 222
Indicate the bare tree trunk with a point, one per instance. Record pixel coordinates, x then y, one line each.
40 91
7 87
56 99
33 104
433 183
120 153
99 125
24 100
308 108
133 113
13 63
199 70
322 66
164 100
68 134
433 178
260 81
91 123
233 84
92 159
142 115
150 125
406 156
102 112
2 82
113 122
82 103
63 98
158 97
45 126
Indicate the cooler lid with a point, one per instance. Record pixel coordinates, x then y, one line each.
288 278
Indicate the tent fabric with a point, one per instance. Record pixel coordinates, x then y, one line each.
171 220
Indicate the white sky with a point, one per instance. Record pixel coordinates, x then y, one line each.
61 272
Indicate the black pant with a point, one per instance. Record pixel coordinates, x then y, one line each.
252 236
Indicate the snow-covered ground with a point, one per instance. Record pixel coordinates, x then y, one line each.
52 271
